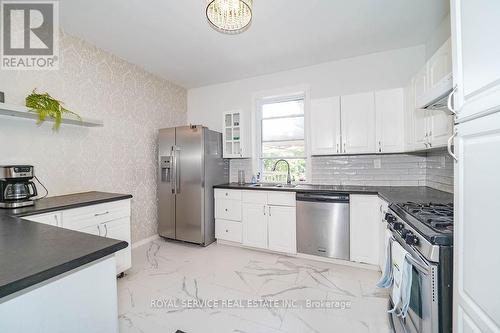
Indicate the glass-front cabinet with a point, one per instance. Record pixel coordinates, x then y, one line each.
235 132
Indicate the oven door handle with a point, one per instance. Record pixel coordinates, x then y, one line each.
421 267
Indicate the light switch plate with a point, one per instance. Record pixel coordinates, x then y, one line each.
377 164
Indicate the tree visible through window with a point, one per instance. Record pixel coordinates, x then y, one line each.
282 137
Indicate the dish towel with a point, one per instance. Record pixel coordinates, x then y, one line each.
402 280
387 276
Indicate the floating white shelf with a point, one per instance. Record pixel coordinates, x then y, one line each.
23 112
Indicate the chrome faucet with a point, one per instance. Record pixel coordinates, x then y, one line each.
288 176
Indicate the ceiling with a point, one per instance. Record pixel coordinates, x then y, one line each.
173 40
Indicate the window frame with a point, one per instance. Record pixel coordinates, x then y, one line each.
258 129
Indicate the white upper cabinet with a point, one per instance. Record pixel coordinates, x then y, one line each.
420 82
236 132
389 108
476 53
440 127
358 123
440 65
421 129
324 126
409 114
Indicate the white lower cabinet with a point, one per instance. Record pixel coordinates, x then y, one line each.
365 228
282 229
254 219
54 218
228 230
382 228
266 219
111 220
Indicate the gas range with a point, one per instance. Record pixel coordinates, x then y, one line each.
425 231
433 221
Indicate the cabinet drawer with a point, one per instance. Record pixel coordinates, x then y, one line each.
281 198
54 218
228 209
227 194
254 196
79 218
228 230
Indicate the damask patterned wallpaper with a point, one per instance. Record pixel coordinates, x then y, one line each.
119 157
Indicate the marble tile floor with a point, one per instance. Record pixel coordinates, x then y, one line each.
174 286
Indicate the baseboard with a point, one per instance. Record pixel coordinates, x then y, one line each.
305 256
339 262
145 241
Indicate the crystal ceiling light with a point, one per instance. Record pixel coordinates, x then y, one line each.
229 16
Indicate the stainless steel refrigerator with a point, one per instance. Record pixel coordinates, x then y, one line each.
190 164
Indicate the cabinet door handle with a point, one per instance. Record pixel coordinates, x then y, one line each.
344 148
57 220
379 146
99 229
269 210
101 214
264 209
106 228
450 100
450 141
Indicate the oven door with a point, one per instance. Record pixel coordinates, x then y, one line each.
423 312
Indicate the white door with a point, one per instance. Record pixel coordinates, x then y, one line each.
325 126
365 228
254 219
389 110
358 123
476 260
476 53
282 229
441 127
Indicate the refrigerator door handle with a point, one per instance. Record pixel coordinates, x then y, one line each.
172 170
177 152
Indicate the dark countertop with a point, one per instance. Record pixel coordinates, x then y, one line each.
391 194
32 252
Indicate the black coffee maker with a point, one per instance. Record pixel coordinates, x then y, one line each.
16 186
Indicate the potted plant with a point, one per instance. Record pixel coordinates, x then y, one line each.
44 105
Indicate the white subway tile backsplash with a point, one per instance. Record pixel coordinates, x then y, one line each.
422 169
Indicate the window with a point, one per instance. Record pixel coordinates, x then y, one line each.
282 137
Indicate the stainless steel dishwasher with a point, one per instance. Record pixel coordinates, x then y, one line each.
323 224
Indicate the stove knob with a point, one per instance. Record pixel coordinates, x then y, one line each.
405 232
411 239
398 226
390 218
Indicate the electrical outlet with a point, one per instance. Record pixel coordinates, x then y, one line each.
377 164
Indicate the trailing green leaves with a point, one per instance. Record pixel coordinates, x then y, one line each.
46 106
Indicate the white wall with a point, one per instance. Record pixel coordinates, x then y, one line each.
119 157
438 37
382 70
